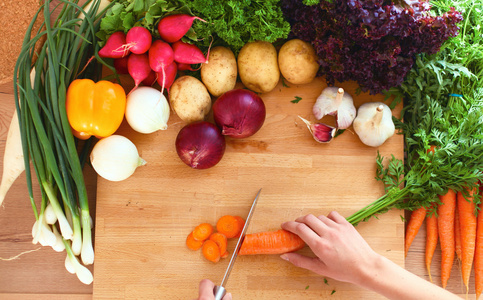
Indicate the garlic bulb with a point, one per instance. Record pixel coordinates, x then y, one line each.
333 101
374 124
147 110
115 158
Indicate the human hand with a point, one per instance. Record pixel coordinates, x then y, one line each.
342 253
206 291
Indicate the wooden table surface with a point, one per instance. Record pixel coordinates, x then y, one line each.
39 273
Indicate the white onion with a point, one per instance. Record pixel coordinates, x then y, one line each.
115 158
147 110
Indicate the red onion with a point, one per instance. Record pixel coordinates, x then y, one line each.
200 145
239 113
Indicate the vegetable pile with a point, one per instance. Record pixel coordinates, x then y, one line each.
413 51
371 42
230 23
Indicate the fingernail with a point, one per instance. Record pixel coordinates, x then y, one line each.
284 257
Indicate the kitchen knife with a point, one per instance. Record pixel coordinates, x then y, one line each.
219 290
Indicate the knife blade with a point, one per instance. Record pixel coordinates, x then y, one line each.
219 290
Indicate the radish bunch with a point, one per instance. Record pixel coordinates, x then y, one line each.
147 59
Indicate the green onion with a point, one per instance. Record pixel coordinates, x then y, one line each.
47 141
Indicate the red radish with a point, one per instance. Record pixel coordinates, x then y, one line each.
138 67
120 64
172 28
138 40
185 67
151 79
188 53
169 77
115 46
160 56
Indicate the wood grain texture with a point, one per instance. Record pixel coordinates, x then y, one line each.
142 222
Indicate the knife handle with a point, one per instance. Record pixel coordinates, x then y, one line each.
219 292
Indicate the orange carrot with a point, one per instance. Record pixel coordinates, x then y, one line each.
211 251
457 234
229 226
467 220
241 223
273 242
202 231
222 242
415 222
431 240
479 254
192 243
446 233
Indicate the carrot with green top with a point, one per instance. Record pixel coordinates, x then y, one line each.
431 241
412 229
446 214
467 218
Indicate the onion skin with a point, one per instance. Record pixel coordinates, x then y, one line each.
200 145
239 113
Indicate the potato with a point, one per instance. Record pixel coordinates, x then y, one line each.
258 66
298 62
219 74
189 99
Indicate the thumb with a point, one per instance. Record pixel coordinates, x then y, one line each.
310 263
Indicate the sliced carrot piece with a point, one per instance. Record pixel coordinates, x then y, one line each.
221 240
202 231
241 223
192 243
229 226
211 251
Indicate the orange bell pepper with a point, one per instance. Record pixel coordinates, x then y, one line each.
95 109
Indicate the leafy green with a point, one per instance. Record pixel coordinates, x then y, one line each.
296 100
231 23
443 107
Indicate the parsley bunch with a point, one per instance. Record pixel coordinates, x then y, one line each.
443 106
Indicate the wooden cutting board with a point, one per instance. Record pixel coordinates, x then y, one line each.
142 222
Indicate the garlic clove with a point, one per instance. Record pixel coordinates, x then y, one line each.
322 133
374 124
334 101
